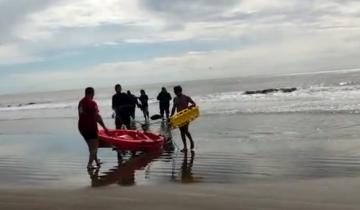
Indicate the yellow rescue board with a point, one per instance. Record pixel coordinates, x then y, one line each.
183 117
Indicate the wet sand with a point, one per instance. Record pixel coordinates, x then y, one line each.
329 194
262 161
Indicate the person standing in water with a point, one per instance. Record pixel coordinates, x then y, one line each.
133 104
121 104
164 98
144 105
182 102
89 117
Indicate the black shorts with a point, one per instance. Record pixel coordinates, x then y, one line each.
89 135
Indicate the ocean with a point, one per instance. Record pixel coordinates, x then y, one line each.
310 133
321 92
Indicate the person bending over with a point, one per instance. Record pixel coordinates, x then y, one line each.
182 102
89 117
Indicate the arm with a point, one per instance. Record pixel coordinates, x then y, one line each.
193 104
173 108
113 105
138 103
101 122
99 119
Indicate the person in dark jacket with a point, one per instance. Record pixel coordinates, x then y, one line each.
164 99
121 104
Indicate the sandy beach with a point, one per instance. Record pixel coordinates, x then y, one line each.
287 166
330 194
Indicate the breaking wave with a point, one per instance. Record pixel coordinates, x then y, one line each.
344 97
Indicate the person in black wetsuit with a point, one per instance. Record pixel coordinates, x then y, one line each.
144 106
164 98
121 104
134 102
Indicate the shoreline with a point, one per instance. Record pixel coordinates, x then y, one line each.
330 194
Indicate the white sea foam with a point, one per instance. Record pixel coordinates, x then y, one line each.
342 98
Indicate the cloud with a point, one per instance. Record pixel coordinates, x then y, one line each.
13 13
188 10
278 36
12 54
70 21
85 14
314 52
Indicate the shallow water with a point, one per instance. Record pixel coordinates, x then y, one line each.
241 148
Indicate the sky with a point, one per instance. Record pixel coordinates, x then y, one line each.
65 44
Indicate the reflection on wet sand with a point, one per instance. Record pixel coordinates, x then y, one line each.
124 173
187 175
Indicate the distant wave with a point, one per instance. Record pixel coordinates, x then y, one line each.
37 106
336 71
313 99
344 98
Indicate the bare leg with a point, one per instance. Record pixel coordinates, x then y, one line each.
183 138
191 140
189 136
93 147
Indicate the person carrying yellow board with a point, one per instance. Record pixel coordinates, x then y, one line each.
182 102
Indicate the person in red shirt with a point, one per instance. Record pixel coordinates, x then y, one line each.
89 117
182 102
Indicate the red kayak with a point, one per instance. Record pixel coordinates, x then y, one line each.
132 140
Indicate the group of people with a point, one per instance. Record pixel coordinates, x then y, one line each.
124 106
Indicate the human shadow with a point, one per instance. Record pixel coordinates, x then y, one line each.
187 175
124 173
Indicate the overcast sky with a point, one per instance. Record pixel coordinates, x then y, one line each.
65 44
